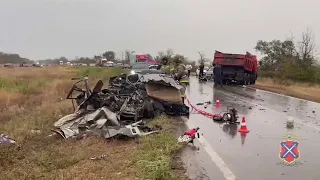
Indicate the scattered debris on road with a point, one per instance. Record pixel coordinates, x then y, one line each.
189 136
290 123
229 116
206 104
124 108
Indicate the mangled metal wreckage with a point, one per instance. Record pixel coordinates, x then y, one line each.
123 108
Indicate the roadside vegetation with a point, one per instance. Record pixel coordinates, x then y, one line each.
290 67
32 99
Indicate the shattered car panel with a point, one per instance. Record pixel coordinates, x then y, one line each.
160 79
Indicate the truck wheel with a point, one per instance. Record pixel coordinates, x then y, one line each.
248 79
254 78
241 82
224 81
245 79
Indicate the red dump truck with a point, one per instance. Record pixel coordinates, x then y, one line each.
241 69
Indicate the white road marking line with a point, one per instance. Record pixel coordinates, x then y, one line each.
227 173
287 116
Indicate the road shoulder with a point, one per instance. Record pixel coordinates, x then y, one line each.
301 92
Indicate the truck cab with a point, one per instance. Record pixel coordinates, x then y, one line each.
241 69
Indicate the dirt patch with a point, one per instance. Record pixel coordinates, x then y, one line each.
303 91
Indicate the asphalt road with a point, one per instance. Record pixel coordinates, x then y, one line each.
226 154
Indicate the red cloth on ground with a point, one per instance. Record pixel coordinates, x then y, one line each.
192 132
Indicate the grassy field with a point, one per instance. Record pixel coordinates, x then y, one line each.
300 90
32 99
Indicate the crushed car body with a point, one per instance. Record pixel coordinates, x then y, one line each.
123 108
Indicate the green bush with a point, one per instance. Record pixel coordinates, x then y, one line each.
294 72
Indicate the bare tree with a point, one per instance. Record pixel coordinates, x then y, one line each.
307 48
202 58
128 53
169 53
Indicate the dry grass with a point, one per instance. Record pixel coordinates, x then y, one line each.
32 99
300 90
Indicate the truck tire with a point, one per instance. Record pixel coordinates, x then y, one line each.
254 82
254 78
248 79
245 79
224 82
241 82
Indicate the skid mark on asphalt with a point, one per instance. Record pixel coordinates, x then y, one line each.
227 173
281 113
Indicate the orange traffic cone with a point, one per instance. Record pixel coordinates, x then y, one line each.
218 103
243 128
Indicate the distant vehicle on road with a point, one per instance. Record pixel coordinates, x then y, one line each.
126 66
241 69
36 65
108 64
8 65
119 65
209 73
155 67
141 63
204 71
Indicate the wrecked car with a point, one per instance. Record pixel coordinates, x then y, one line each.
123 108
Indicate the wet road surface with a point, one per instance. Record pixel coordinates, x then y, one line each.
226 154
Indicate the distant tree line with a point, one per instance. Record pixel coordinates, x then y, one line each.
289 59
13 58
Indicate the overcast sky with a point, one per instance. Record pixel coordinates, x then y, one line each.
40 29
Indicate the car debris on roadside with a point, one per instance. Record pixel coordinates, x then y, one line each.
204 103
4 139
124 108
189 136
102 157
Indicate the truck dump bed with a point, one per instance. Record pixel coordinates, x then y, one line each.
247 61
237 68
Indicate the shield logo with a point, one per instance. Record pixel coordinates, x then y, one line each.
289 151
